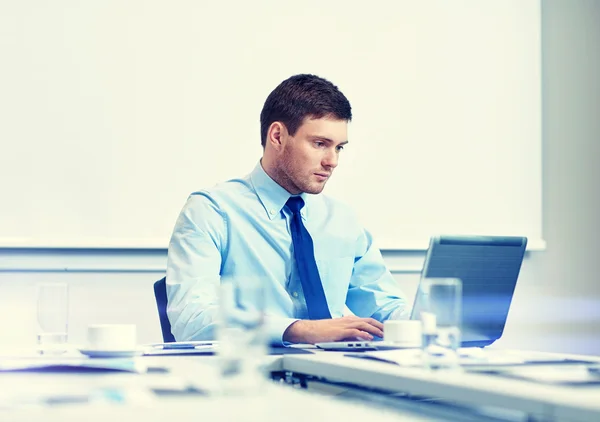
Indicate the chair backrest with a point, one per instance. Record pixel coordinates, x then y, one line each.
160 294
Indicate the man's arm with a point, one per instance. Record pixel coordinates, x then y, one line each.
373 291
373 296
336 329
193 267
194 273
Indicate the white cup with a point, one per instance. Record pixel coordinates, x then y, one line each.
112 337
405 333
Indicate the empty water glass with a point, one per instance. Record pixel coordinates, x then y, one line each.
242 340
440 301
52 317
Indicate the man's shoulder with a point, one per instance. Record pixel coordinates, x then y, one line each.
222 192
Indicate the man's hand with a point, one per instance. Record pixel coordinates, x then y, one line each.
337 329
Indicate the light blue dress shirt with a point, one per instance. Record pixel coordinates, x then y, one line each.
240 229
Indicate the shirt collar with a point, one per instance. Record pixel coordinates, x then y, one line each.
272 196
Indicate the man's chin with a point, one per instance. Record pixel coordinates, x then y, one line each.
314 189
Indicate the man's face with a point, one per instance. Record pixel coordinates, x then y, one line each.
308 158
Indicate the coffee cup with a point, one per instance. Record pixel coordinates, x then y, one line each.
404 333
111 337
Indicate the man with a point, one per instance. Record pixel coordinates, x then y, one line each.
324 279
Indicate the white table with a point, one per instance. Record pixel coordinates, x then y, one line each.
20 394
541 401
277 404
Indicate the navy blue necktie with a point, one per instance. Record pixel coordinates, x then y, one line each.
316 302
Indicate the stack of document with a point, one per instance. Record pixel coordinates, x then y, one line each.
472 357
205 347
72 365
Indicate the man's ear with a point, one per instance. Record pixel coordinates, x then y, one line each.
277 135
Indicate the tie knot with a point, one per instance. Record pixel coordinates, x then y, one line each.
295 204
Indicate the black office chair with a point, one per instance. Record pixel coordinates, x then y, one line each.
160 294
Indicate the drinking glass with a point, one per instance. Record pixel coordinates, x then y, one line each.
242 340
441 314
52 317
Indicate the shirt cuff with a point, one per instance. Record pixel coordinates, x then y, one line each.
400 313
275 327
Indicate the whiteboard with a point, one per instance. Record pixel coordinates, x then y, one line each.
113 112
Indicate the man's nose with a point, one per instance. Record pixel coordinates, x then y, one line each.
331 159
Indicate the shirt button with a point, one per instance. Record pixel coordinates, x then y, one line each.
272 212
295 294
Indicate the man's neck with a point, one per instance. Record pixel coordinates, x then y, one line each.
277 176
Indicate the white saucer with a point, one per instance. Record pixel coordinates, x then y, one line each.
94 353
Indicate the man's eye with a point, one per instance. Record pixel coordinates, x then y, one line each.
340 147
319 143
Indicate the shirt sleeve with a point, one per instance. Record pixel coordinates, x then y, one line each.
275 328
193 269
373 291
194 261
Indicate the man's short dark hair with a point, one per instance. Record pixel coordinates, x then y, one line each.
299 97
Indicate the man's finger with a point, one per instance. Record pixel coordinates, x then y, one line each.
354 333
365 326
374 322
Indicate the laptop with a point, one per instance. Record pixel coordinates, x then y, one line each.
488 267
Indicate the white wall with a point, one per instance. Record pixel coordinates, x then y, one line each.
557 301
562 309
113 112
94 298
